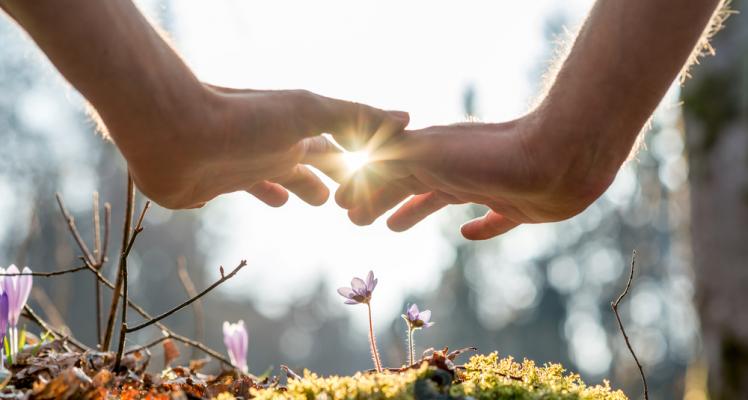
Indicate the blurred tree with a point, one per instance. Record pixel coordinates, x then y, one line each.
715 104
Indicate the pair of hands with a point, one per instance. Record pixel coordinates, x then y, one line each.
260 141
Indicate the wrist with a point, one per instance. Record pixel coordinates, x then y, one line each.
568 155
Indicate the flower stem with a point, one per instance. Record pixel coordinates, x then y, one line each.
373 343
411 347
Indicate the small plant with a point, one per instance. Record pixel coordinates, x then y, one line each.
415 320
236 339
360 293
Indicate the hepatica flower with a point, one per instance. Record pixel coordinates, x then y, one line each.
17 288
360 293
416 320
236 339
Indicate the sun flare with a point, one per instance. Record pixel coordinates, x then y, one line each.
354 160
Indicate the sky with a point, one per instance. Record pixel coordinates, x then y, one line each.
415 56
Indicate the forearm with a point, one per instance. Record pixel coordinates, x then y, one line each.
624 59
113 56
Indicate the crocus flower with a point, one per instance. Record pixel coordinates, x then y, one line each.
415 320
236 339
3 323
17 288
360 291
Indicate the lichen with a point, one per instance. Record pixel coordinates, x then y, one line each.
483 377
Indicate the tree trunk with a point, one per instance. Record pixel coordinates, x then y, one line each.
715 106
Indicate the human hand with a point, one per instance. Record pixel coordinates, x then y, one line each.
510 167
249 140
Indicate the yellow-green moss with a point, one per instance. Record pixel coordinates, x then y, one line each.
485 377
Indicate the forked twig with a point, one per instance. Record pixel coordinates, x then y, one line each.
123 263
129 210
173 335
614 306
191 300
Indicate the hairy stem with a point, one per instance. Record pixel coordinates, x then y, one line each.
373 343
411 347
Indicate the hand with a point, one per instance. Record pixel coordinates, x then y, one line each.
509 167
250 140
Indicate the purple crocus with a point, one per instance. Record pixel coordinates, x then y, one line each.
236 339
360 291
17 288
3 322
416 320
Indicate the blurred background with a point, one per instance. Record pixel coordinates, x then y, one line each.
541 292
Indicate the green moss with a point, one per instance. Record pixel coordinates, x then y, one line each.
484 377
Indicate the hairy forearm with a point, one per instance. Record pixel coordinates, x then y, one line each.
627 54
113 56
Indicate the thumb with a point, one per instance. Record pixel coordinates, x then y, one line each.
354 125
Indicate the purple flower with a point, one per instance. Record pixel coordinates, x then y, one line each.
18 288
3 313
417 319
360 291
236 339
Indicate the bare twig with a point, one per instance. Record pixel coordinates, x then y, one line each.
97 255
99 266
96 226
32 316
614 306
143 313
189 287
48 274
107 225
123 263
223 279
129 210
74 231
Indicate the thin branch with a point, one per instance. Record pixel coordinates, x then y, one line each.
614 306
123 263
32 316
143 313
189 287
107 226
48 274
74 230
129 210
96 226
99 266
223 279
97 255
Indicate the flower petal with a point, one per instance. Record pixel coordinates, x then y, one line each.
413 312
351 302
425 315
428 324
358 286
346 292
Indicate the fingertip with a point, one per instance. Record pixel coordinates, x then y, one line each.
319 198
359 218
396 226
401 116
